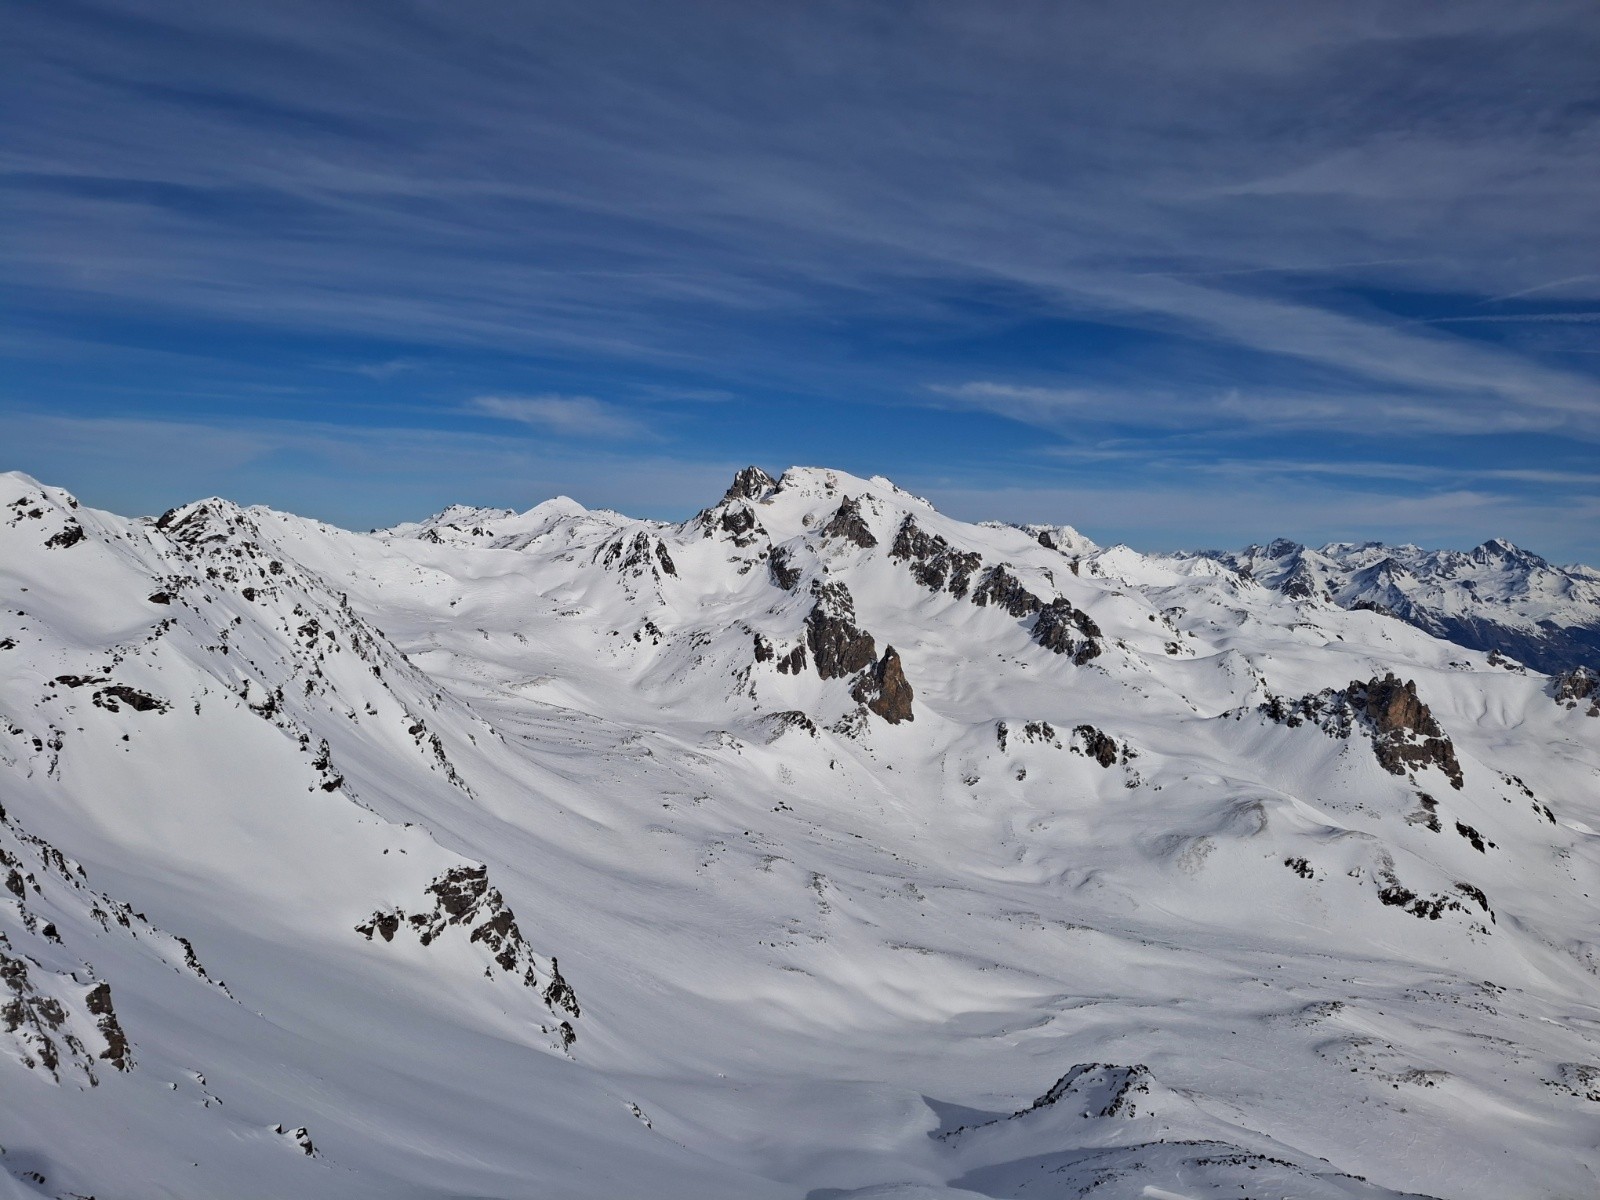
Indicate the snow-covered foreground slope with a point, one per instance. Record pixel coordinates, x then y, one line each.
820 846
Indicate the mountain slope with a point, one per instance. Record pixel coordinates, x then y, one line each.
562 853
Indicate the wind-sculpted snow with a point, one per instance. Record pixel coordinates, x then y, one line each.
852 827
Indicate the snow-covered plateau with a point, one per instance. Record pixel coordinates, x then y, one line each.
820 846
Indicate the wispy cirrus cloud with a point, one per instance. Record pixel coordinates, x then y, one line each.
564 416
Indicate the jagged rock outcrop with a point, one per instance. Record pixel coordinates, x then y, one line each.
934 563
883 688
752 483
1004 590
117 1050
1577 685
463 898
780 565
847 523
1063 629
1405 735
838 648
1100 746
640 555
739 522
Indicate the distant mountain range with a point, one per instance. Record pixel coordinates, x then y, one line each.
1495 597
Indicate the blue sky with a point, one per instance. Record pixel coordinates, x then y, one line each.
1179 274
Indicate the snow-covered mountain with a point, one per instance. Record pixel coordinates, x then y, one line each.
1495 597
819 846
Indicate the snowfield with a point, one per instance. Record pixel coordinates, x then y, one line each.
820 846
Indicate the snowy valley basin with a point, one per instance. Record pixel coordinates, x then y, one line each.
818 846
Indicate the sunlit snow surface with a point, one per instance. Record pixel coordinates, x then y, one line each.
814 954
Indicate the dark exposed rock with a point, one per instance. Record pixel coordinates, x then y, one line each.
1063 629
1100 1090
763 649
77 681
385 924
117 1050
1426 816
1300 867
1574 686
794 662
848 523
1405 734
934 563
1476 893
792 718
1004 590
640 555
1032 731
160 597
1421 907
300 1137
883 688
1302 584
752 483
113 697
781 566
30 1016
1097 745
838 648
1479 843
464 898
559 994
70 536
738 520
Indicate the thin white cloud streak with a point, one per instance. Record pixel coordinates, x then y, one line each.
564 416
1235 409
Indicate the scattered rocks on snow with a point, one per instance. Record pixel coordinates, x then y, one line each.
464 898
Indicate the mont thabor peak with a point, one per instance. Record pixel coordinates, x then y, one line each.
819 846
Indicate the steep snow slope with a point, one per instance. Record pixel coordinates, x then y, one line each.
789 851
1496 597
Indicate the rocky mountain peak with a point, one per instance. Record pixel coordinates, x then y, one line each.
752 483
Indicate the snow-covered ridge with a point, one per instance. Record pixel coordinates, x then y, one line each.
818 845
